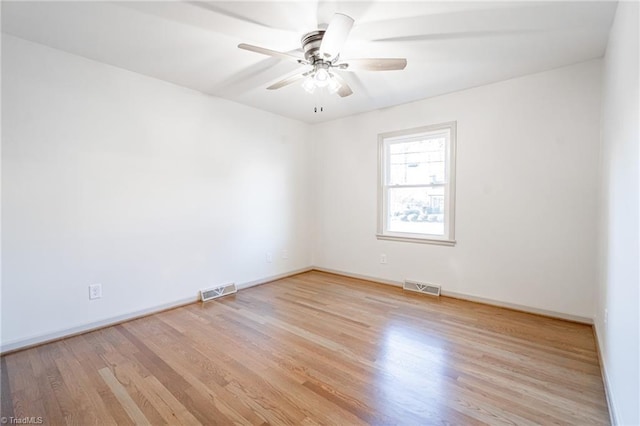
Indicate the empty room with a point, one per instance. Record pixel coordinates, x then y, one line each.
320 213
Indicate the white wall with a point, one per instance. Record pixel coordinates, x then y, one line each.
150 189
156 191
526 192
619 278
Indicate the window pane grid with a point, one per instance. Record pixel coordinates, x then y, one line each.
432 185
415 183
419 161
417 210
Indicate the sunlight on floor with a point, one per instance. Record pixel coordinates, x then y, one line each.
412 367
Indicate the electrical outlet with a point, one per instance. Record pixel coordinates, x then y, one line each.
285 254
383 258
95 291
269 257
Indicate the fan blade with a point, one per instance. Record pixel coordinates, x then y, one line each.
325 9
287 81
336 35
373 64
477 19
270 52
344 89
456 36
211 6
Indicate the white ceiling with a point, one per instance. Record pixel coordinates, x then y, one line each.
449 46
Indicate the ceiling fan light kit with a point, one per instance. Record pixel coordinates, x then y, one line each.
322 52
333 86
309 85
320 79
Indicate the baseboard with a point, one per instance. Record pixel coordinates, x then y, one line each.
357 276
471 298
521 308
605 378
61 334
274 278
42 339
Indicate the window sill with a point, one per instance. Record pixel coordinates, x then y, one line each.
419 240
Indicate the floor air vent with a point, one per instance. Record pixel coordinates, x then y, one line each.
215 292
418 287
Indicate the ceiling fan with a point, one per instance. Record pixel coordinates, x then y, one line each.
322 53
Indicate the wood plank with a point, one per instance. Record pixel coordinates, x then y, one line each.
123 397
6 404
198 404
54 388
316 348
52 414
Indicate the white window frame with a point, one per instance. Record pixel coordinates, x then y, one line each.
386 139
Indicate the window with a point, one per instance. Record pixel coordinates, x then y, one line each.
417 184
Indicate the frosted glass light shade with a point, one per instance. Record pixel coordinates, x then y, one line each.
321 77
334 86
309 84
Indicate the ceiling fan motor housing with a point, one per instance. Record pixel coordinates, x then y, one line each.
311 45
322 49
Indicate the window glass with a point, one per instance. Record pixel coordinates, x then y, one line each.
417 186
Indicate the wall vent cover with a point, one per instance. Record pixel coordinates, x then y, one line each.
215 292
424 288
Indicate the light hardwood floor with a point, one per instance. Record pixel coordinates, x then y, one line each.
311 349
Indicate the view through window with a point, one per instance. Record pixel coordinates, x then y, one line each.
416 183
